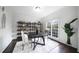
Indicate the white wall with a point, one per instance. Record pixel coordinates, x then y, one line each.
64 15
5 33
78 26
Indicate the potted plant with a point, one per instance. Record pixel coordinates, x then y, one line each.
69 30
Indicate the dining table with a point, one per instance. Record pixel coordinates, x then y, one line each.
36 41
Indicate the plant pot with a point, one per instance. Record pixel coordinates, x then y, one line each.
68 40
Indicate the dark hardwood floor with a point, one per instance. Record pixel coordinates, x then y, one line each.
10 47
61 48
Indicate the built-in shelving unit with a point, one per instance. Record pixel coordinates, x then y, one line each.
28 27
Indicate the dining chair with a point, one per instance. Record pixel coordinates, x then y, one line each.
25 41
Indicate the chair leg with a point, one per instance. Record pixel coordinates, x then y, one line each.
43 40
30 43
22 46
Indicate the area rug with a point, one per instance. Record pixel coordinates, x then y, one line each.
49 46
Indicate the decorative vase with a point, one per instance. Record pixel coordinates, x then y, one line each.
68 40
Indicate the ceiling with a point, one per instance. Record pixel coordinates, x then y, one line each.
28 10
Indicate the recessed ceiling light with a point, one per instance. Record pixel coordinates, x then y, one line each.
36 8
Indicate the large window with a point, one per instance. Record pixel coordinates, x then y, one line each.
52 27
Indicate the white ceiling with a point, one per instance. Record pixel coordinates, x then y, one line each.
28 10
27 13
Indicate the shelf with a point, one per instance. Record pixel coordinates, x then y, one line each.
28 27
18 33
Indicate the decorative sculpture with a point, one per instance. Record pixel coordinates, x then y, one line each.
3 22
